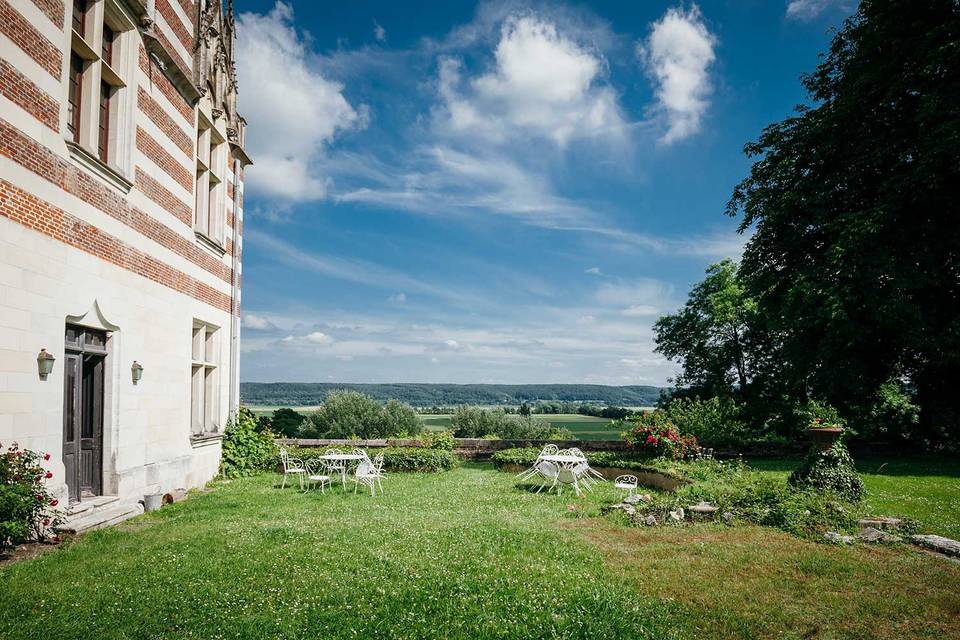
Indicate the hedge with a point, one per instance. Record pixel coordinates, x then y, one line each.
394 458
526 456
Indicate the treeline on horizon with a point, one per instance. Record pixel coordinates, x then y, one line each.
299 394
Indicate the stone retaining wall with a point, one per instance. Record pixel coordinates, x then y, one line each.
473 448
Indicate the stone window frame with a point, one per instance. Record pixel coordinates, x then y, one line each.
117 77
210 206
204 379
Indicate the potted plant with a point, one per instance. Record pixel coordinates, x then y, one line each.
823 433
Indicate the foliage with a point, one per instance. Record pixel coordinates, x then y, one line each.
28 511
285 423
853 204
438 440
714 336
891 415
450 395
394 458
832 470
716 422
349 414
653 435
245 450
476 422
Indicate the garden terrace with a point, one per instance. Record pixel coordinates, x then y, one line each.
464 553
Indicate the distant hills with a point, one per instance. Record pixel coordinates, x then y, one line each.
292 394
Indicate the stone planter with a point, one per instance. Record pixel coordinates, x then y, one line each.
824 437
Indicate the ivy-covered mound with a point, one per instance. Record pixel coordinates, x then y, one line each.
832 470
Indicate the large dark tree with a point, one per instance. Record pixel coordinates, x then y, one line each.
855 257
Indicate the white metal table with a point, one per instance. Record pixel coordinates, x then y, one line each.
345 458
562 459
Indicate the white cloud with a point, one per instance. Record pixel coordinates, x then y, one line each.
319 337
640 310
293 110
542 83
647 292
397 298
805 10
594 271
677 55
379 32
253 321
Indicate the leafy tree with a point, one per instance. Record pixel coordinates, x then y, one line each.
854 262
347 414
714 335
286 422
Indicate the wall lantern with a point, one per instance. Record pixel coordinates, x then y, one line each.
44 363
136 369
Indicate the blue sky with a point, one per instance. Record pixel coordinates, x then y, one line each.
497 192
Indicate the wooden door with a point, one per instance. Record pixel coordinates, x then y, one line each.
71 422
83 411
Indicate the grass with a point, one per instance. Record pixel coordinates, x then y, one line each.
461 554
926 489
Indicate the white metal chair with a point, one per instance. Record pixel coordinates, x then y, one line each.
291 467
626 483
314 475
567 475
549 450
369 474
548 471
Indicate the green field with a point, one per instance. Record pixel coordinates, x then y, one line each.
582 427
464 554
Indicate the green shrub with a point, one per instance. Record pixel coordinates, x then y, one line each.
246 450
349 414
394 458
716 422
27 508
476 422
438 440
832 470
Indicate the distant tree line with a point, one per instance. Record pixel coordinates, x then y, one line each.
293 394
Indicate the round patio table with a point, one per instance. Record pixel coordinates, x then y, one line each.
342 457
562 459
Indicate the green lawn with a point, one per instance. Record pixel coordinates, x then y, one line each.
926 489
461 554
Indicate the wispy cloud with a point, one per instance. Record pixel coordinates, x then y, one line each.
806 10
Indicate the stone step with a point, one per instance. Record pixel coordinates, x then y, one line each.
880 522
99 518
89 504
946 546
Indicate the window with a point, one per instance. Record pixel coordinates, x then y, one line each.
99 63
211 169
204 390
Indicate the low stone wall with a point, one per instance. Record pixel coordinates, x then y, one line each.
473 448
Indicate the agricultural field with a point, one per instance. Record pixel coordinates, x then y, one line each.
582 427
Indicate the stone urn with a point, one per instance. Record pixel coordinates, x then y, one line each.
824 437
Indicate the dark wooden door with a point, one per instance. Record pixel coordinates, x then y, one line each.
71 422
83 411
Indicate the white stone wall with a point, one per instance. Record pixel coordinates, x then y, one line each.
146 444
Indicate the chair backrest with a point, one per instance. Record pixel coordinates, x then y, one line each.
626 479
332 451
550 450
378 462
361 452
364 468
566 475
313 466
574 451
547 469
284 458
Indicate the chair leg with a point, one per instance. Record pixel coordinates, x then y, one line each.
284 483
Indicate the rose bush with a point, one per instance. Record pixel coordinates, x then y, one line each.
28 511
654 435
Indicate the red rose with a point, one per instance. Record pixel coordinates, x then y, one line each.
39 498
651 439
46 522
46 456
48 475
54 502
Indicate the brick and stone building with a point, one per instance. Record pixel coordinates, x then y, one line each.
121 216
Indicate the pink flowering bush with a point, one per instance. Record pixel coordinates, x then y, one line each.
27 509
654 435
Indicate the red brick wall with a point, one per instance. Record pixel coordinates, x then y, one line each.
28 210
53 9
21 32
176 24
161 82
18 89
162 158
149 187
165 123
